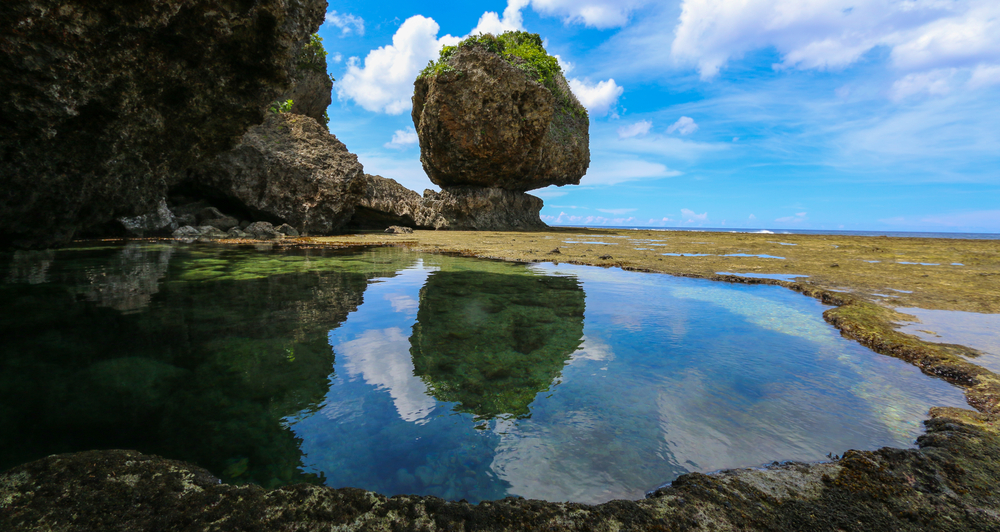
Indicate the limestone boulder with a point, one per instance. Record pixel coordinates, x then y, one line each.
485 209
484 121
384 202
104 102
289 169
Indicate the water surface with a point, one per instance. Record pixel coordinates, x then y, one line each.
426 374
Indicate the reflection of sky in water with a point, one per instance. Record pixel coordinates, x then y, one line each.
672 375
777 276
971 329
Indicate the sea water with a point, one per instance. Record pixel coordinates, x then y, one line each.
409 373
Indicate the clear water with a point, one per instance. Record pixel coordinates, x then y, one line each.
426 374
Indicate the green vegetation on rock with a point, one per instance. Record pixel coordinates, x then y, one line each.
313 55
519 48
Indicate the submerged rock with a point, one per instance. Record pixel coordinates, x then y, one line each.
105 102
488 117
291 169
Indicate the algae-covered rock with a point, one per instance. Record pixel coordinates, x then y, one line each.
105 101
290 168
496 112
491 342
947 484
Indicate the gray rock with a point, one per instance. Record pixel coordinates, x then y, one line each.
385 202
236 233
210 232
292 169
287 230
262 231
186 232
398 230
485 122
311 86
105 102
186 219
485 209
160 221
244 224
223 223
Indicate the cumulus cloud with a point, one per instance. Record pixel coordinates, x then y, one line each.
637 129
347 23
922 36
685 125
335 58
600 14
691 216
385 82
598 98
512 19
403 138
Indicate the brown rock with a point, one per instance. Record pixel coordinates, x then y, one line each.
290 169
485 209
486 123
385 202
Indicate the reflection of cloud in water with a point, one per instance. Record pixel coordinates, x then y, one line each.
567 459
403 303
971 329
382 358
592 349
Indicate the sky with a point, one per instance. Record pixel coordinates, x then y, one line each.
778 114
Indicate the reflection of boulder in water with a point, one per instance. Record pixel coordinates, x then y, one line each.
206 374
128 281
490 342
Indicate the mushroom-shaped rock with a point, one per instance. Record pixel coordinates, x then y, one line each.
496 112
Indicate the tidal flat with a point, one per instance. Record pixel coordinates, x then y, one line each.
945 483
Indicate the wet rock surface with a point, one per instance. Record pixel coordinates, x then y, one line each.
104 103
289 169
946 484
485 122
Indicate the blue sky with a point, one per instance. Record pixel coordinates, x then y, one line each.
786 114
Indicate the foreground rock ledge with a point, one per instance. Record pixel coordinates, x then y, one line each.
946 484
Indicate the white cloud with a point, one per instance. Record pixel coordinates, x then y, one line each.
617 211
936 82
691 216
347 23
549 192
402 139
752 217
637 129
599 99
684 125
336 57
922 36
799 217
404 167
985 76
566 219
595 13
385 83
512 20
612 172
566 66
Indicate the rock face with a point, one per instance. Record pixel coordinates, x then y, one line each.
483 121
384 202
311 86
946 484
289 170
485 209
104 101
